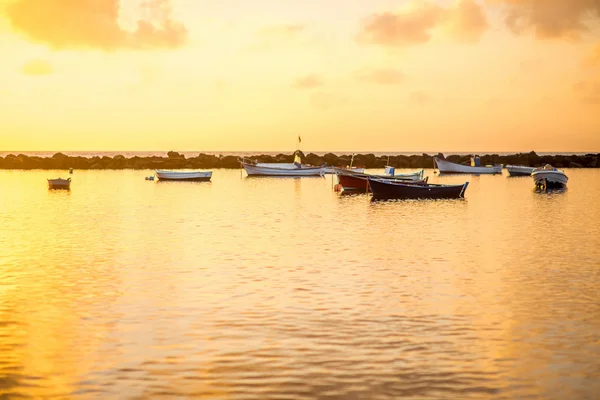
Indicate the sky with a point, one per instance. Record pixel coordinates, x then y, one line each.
345 75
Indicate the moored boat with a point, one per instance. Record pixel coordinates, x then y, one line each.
59 183
281 169
359 182
190 176
548 177
448 167
519 170
383 189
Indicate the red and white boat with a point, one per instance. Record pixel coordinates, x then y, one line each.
354 181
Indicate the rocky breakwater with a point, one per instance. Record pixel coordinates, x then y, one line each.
175 160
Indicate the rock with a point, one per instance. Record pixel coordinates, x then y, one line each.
174 154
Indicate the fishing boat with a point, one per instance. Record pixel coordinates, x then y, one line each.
352 181
189 176
385 189
59 183
296 168
548 177
519 170
447 167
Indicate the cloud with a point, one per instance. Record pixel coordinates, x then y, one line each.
37 68
71 24
420 98
587 92
466 21
549 19
381 76
310 81
417 20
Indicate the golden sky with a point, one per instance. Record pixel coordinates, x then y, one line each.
355 75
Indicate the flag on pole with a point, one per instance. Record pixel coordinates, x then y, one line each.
299 139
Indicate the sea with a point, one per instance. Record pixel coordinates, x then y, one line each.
283 288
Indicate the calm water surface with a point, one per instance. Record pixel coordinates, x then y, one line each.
249 288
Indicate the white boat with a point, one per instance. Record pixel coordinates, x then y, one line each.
265 169
448 167
519 170
197 176
548 177
59 183
281 169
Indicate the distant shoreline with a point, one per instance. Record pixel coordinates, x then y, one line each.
174 160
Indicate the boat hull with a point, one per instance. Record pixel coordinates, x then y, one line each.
260 170
447 167
187 176
519 170
383 190
550 179
64 184
361 183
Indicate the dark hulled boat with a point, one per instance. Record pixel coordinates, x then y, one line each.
383 189
356 182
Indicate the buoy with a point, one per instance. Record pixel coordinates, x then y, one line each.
70 170
337 188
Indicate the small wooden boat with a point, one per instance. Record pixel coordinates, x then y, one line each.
447 167
360 182
281 169
59 183
548 177
190 176
383 189
519 170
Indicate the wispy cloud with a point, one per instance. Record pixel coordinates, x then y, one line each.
68 24
286 30
310 81
383 76
37 67
420 98
415 23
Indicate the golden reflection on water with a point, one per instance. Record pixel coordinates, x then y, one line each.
281 288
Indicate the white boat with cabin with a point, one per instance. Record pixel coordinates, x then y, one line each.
548 177
447 167
192 176
519 170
